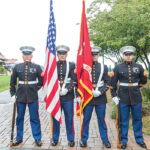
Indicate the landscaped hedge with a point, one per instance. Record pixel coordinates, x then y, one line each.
2 70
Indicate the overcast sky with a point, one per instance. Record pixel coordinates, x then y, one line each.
25 23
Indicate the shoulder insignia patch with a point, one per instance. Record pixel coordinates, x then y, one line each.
145 73
75 71
42 74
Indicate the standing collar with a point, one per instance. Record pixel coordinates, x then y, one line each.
62 62
94 62
27 63
128 63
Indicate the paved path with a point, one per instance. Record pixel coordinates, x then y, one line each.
5 97
94 142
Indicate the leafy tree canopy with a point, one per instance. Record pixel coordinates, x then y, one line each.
126 23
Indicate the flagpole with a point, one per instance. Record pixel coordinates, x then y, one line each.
51 126
80 124
80 110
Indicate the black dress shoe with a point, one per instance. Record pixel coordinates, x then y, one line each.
107 144
124 145
142 144
71 143
38 142
54 142
83 144
16 143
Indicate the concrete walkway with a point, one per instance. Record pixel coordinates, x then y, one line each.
94 142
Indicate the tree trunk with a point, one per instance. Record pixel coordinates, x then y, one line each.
136 58
144 62
142 57
109 59
145 54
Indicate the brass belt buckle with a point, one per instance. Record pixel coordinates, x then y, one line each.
94 85
25 82
61 82
130 84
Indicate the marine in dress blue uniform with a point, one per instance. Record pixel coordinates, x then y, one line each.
30 80
66 78
100 81
131 77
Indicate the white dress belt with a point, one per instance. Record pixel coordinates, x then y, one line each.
27 82
129 84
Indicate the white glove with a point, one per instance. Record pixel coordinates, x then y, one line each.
96 93
116 100
78 99
13 99
63 92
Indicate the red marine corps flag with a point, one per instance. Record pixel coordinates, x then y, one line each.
84 65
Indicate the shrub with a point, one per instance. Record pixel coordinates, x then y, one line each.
145 91
2 70
113 110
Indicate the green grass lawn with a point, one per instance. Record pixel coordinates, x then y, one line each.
4 83
148 82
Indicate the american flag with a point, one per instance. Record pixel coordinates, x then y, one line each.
51 85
